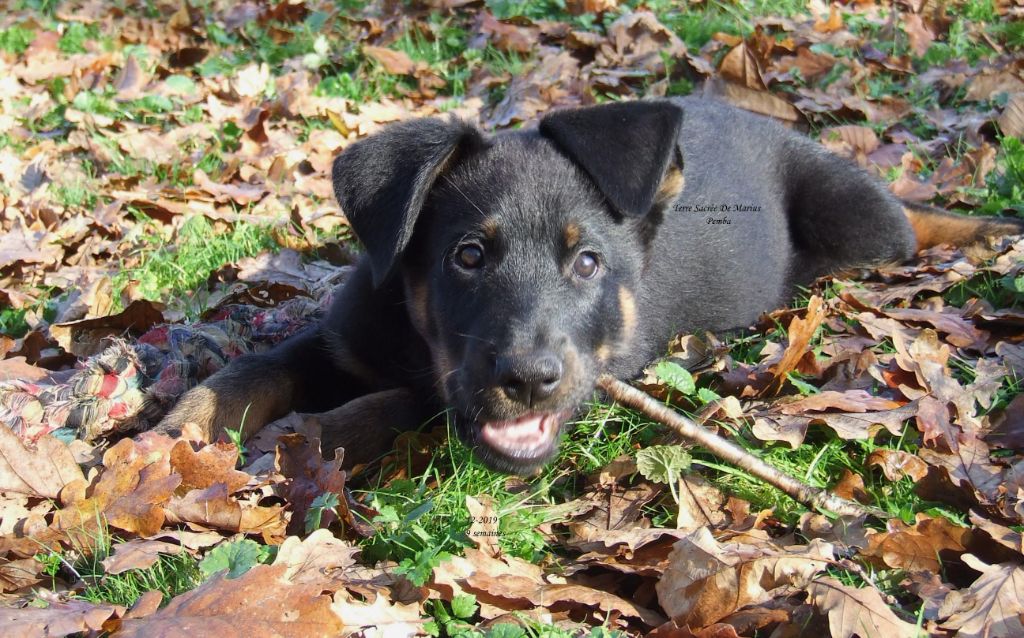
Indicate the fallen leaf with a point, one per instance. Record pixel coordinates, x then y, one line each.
918 546
41 469
259 602
483 524
857 612
57 619
317 559
214 508
137 554
130 494
706 579
213 463
394 62
800 333
897 464
993 604
88 337
849 401
387 618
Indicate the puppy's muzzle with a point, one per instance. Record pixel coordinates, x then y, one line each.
529 379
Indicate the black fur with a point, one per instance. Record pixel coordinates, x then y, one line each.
517 338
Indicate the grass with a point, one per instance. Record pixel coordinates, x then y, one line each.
83 563
168 265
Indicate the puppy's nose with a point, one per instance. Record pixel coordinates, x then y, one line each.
530 378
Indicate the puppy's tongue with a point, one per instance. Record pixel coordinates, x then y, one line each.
529 435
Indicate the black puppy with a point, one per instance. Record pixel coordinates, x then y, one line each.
503 274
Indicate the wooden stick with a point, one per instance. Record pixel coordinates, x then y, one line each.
812 497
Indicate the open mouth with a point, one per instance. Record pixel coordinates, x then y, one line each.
530 437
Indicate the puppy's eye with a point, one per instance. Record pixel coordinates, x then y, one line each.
585 266
470 256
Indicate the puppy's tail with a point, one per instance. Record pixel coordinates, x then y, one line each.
933 226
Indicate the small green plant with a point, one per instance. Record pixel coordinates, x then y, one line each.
663 464
676 376
323 502
236 558
454 619
16 39
75 36
235 437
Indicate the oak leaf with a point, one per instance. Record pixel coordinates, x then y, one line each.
258 603
39 470
707 580
857 612
993 604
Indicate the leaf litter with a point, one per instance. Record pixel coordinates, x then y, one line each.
121 135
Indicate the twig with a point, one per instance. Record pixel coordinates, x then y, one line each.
812 497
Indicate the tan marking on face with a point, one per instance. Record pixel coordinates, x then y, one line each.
490 227
416 302
670 187
571 235
603 353
627 307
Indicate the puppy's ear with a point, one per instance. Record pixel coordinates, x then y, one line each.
382 182
625 147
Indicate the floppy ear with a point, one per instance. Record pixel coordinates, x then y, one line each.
625 147
382 182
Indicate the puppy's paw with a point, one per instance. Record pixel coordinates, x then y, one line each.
195 415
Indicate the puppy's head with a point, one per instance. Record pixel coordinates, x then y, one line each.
520 256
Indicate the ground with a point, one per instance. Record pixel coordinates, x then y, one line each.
168 163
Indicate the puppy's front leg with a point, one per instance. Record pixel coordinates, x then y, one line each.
250 392
253 390
366 427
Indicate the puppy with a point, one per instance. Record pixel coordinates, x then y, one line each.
503 273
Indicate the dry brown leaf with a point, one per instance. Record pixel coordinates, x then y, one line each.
740 67
834 22
28 247
857 612
511 583
1001 534
137 554
969 467
483 524
707 580
897 464
212 464
394 62
918 546
88 337
753 100
920 36
318 559
1011 120
851 487
214 508
993 605
130 493
259 602
41 469
801 331
390 620
848 401
17 368
855 142
59 618
505 36
307 476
